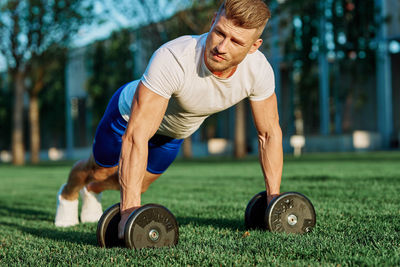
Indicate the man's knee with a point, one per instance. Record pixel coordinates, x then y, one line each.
100 173
148 179
81 165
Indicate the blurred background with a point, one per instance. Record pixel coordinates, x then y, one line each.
336 63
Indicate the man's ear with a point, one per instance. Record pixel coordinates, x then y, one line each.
255 46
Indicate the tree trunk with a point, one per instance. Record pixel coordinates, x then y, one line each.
187 148
240 130
18 151
34 118
34 128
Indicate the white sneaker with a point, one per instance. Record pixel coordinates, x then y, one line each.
67 211
91 206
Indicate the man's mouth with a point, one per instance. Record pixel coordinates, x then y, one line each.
217 56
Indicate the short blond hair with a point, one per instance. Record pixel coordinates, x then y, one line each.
248 14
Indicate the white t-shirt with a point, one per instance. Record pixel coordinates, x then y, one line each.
177 72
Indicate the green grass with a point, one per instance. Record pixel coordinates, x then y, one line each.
356 197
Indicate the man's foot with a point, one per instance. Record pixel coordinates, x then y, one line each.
91 206
67 211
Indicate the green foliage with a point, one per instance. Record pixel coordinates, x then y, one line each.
355 196
52 100
195 20
111 65
29 27
349 46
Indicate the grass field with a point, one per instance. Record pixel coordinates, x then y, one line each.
356 197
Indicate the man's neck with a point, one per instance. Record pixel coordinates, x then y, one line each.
225 74
220 74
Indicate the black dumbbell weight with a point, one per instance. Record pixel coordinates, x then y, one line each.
151 225
107 228
290 212
255 212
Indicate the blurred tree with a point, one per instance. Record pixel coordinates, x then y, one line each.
105 58
28 28
349 47
240 145
353 59
299 45
5 112
52 100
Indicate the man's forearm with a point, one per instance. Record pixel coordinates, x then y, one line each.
271 160
131 170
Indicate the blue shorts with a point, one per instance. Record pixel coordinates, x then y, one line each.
108 140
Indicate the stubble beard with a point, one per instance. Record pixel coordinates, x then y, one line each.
217 66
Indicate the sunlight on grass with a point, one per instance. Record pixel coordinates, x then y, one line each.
355 196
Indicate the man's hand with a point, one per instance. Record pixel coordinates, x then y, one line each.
124 218
121 226
271 197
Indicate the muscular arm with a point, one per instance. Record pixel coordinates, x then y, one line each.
266 119
147 112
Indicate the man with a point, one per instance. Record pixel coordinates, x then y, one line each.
187 80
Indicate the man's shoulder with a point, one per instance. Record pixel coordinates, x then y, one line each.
258 57
184 45
258 62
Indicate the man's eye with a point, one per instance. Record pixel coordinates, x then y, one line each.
219 33
237 42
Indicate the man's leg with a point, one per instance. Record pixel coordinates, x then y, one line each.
149 178
90 179
111 183
99 167
83 172
162 151
91 201
91 209
67 197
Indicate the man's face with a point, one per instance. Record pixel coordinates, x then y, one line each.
227 45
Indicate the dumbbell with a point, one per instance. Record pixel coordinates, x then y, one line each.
151 225
290 212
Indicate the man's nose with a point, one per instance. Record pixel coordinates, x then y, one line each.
222 46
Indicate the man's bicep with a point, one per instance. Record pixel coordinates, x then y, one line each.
148 109
265 114
164 74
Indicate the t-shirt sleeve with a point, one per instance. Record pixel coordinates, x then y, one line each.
264 85
164 74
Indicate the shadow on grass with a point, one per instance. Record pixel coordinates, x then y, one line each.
25 213
60 235
28 217
373 157
232 224
314 178
326 178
